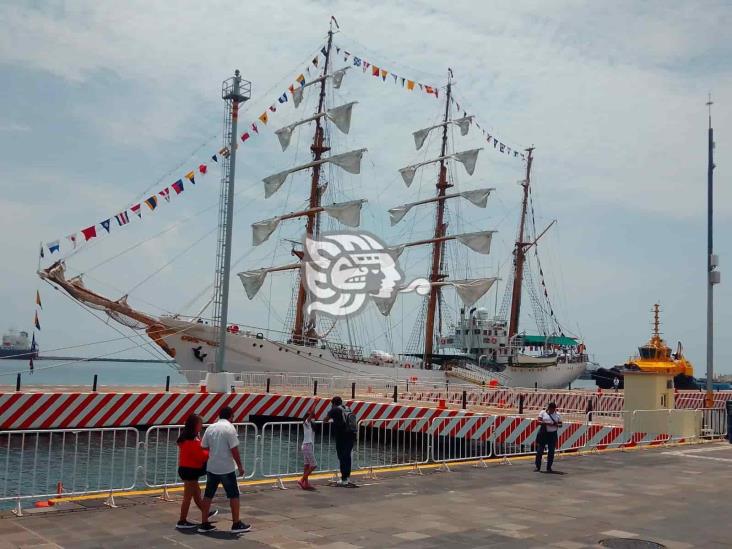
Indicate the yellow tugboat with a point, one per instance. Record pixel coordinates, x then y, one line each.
654 356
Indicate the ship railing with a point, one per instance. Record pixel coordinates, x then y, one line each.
281 449
54 463
387 443
160 454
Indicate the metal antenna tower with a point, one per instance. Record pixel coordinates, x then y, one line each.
234 91
713 276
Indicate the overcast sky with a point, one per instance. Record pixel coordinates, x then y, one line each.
106 102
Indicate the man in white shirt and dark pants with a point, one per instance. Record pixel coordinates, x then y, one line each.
550 422
224 461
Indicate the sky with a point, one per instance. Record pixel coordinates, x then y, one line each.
106 103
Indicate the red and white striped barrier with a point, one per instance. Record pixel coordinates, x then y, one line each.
94 410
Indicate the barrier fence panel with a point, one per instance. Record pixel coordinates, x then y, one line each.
514 436
49 463
461 438
392 443
714 423
161 453
281 449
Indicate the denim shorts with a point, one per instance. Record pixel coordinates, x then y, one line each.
231 487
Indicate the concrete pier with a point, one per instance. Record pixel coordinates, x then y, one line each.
675 496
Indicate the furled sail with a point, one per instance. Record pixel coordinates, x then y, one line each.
462 123
262 230
466 158
479 197
253 280
348 213
337 77
340 116
478 242
409 172
469 290
349 161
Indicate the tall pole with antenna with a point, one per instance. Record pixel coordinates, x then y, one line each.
234 91
713 276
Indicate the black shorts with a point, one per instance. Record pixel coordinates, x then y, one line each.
191 473
231 487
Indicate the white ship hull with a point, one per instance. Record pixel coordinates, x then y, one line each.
555 376
247 352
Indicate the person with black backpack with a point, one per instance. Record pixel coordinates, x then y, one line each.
345 429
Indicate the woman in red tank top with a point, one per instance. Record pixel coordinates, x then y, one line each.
191 466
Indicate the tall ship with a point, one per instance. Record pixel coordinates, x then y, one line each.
654 356
18 345
474 346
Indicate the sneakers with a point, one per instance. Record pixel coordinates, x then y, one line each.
240 528
213 513
206 527
185 525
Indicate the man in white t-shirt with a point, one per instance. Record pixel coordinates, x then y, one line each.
222 442
550 422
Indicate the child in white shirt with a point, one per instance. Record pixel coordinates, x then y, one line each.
308 452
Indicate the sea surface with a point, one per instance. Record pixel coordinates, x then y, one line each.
66 372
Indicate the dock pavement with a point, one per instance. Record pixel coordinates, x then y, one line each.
676 496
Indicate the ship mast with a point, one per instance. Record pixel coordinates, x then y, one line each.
519 254
438 244
313 226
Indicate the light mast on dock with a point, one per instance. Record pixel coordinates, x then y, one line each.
234 91
713 275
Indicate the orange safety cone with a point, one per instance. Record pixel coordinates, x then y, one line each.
441 404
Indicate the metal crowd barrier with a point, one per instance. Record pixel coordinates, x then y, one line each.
461 438
392 443
65 462
515 436
49 463
281 449
160 461
714 423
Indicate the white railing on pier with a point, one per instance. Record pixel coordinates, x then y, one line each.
69 462
281 449
160 458
66 462
384 443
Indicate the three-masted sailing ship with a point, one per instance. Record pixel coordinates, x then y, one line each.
476 347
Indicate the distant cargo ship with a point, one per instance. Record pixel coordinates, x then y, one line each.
18 345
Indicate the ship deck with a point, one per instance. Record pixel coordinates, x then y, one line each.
675 496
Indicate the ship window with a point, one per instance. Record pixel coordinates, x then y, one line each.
476 332
467 331
647 352
485 332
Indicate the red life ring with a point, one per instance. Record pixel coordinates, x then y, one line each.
494 340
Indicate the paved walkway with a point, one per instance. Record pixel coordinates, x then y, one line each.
676 496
